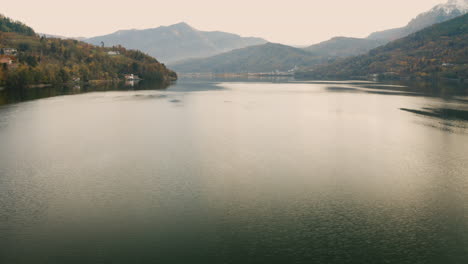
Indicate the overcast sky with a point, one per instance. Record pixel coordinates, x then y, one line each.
294 22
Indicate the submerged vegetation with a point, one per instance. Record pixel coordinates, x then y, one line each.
27 59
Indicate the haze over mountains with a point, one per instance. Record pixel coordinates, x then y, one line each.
261 58
438 14
177 42
437 51
346 46
187 49
325 52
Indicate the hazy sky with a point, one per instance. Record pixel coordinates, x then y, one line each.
294 22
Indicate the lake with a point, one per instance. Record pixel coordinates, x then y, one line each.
235 171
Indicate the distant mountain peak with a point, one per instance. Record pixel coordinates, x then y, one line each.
274 44
451 6
176 42
441 44
438 14
460 4
181 25
123 31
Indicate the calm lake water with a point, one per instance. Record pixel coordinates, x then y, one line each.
236 172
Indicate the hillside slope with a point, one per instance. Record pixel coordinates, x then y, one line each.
261 58
438 14
340 47
9 25
438 51
176 42
30 59
344 47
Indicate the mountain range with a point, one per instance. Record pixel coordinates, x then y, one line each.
438 14
439 51
271 57
261 58
176 42
180 43
242 60
187 49
344 46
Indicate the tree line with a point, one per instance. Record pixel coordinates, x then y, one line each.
440 51
42 60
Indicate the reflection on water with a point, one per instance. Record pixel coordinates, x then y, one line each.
442 113
449 120
342 89
447 90
209 171
9 96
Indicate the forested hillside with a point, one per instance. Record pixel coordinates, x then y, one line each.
344 47
438 14
9 25
256 59
28 59
440 51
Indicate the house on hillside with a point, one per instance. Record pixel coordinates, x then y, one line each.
293 70
8 51
6 60
113 53
131 77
